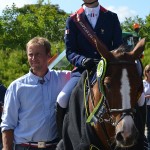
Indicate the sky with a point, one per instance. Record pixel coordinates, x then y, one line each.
124 8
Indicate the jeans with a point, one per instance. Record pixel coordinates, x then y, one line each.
64 95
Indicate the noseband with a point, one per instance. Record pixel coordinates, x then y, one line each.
123 112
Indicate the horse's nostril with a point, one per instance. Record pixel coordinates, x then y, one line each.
119 136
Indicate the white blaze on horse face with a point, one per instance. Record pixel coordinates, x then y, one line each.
127 121
125 90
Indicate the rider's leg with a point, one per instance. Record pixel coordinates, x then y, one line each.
60 113
62 102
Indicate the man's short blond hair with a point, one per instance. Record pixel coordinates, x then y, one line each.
40 41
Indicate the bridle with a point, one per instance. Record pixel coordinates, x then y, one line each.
103 109
123 112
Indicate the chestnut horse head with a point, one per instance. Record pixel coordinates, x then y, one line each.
115 95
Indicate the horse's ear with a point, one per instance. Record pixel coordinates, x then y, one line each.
138 49
103 50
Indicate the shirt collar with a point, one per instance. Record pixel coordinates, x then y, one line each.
36 79
95 10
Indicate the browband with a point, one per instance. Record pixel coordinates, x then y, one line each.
90 3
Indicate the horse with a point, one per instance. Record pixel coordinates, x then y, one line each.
102 116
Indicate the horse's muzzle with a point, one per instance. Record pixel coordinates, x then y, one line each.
124 140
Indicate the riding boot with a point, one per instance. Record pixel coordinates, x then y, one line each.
60 113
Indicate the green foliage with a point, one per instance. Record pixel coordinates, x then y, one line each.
146 59
127 25
57 47
144 31
13 65
19 25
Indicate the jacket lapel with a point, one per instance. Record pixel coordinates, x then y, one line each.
85 17
101 17
99 20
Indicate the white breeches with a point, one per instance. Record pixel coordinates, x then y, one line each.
64 95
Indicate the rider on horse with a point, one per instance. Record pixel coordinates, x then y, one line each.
80 51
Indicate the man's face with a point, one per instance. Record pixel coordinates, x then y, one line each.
37 58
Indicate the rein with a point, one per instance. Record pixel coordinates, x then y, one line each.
121 62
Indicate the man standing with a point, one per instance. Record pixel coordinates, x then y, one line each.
28 120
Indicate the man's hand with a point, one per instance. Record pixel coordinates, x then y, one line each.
88 63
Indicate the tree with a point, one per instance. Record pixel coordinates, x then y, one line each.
18 25
127 25
144 31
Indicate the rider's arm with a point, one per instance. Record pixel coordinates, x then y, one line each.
71 43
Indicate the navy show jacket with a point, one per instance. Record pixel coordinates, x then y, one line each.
107 29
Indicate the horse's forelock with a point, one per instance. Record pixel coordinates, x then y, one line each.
122 53
123 48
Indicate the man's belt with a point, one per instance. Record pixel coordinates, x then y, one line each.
40 144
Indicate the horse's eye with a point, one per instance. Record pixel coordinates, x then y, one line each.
107 82
107 85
